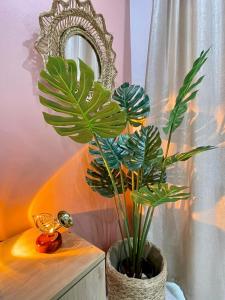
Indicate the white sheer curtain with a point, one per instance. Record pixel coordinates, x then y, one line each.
191 234
77 47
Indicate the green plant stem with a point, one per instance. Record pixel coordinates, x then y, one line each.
116 193
132 188
136 228
132 180
137 260
124 196
142 236
118 216
169 140
137 270
126 224
140 223
135 235
148 221
145 223
134 223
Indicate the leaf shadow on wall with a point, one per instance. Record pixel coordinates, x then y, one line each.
181 229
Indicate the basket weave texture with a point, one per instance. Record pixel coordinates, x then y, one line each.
121 286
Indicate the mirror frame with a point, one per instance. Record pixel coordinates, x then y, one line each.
67 18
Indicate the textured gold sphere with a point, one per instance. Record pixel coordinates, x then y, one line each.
65 219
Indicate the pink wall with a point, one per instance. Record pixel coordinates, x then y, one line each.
40 170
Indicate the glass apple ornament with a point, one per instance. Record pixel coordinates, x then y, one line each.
51 239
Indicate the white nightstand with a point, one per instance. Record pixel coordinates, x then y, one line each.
76 271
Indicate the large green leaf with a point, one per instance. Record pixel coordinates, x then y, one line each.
114 150
85 107
185 94
159 194
98 179
144 148
133 99
186 155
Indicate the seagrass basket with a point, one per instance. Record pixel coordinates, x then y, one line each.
120 286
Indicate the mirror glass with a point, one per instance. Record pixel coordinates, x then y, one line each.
76 47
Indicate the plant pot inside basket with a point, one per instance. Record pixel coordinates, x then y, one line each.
149 266
120 286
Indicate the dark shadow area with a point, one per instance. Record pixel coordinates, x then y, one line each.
97 227
33 63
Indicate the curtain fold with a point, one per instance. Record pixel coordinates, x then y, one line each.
191 233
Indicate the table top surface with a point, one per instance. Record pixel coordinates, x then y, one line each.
27 274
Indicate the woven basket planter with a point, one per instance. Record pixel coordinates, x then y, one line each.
121 286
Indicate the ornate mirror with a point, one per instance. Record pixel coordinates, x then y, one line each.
73 30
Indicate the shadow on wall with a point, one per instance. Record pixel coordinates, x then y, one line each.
94 216
189 232
198 128
98 227
33 63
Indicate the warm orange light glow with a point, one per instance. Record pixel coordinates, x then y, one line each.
169 103
220 119
65 190
180 205
68 190
24 246
172 149
21 265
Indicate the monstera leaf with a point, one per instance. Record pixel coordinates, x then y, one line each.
133 99
150 176
144 148
85 107
114 150
185 95
159 194
186 155
100 181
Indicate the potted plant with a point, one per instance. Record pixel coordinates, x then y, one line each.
127 163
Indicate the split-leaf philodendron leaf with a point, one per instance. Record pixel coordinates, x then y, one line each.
159 193
85 107
113 149
135 102
186 155
99 181
186 94
144 148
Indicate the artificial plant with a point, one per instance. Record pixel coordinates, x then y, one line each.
123 159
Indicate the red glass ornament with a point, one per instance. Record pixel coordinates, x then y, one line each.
48 243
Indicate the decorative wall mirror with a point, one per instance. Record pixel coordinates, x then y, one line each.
73 30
